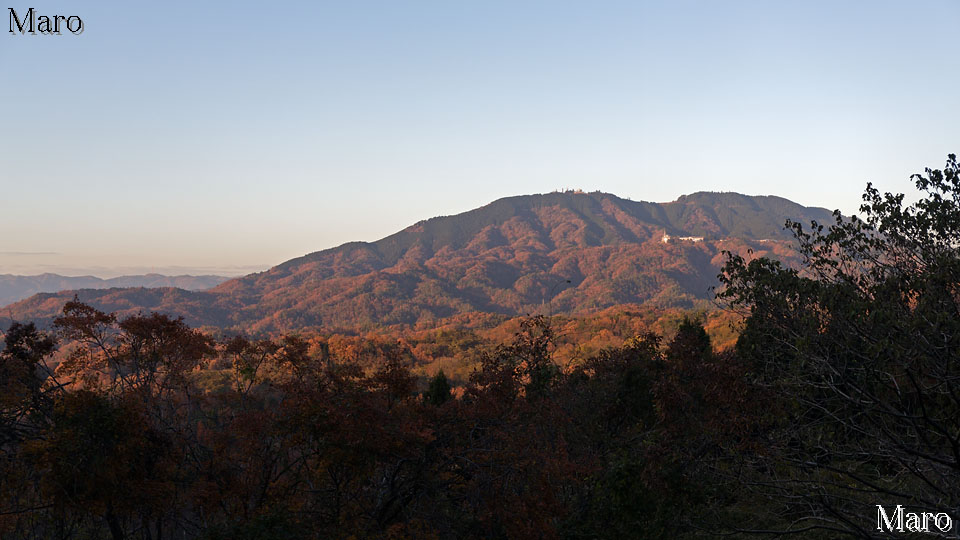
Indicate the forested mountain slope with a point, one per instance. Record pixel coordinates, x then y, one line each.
568 252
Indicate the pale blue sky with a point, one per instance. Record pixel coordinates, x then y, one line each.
224 136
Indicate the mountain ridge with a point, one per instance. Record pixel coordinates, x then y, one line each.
14 287
573 251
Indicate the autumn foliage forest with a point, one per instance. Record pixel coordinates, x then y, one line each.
821 389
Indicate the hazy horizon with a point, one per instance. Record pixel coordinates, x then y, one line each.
109 272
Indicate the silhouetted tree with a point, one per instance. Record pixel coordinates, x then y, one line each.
439 390
861 348
25 384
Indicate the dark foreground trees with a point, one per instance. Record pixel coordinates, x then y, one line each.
148 429
861 348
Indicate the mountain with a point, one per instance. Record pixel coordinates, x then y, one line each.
13 287
569 252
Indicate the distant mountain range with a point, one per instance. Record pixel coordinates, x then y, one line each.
13 287
569 252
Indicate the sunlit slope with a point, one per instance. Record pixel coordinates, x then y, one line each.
558 252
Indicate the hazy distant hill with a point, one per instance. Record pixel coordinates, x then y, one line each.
513 256
13 288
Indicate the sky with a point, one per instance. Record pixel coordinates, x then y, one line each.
227 137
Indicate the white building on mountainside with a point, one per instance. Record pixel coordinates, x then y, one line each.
667 238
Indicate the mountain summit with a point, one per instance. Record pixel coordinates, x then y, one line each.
564 252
